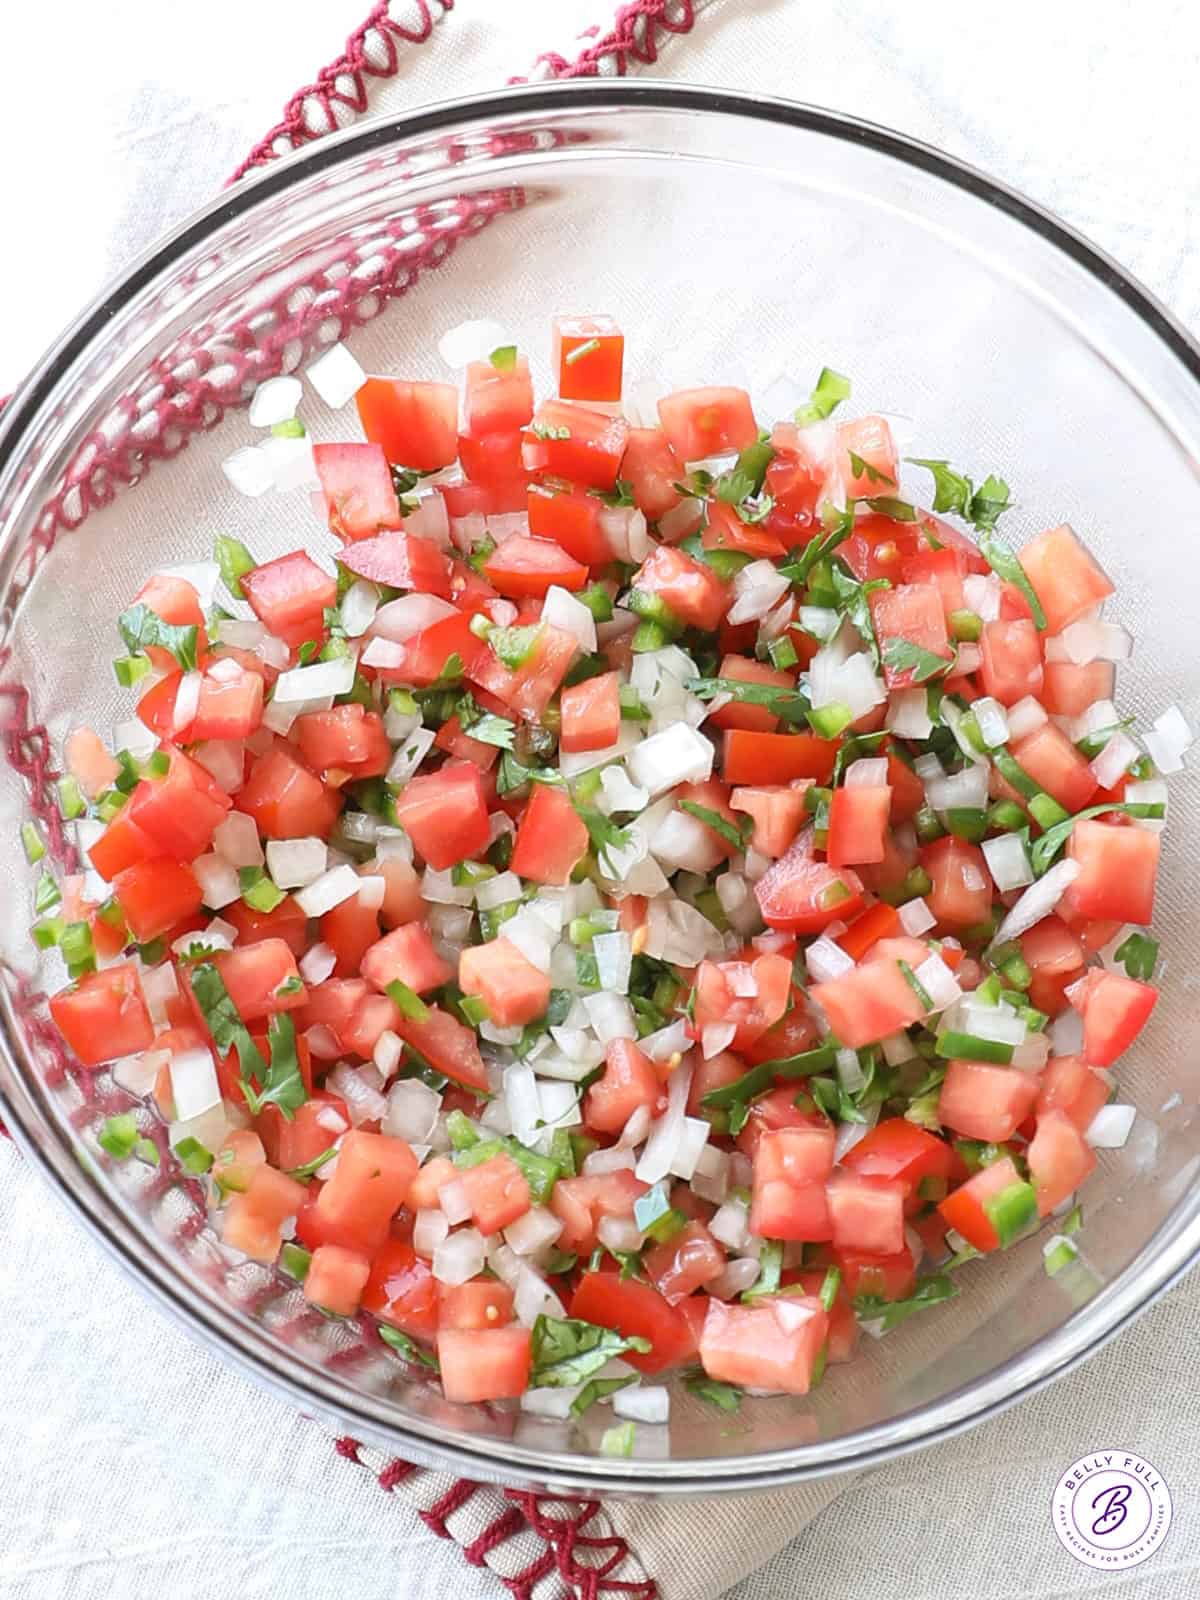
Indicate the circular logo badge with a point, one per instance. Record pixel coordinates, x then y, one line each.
1111 1509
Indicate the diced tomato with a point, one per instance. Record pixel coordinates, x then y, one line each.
511 987
445 814
778 813
345 737
795 475
552 837
427 1185
1066 579
870 439
401 560
774 1344
336 1279
416 423
987 1102
1069 1085
406 955
296 1140
356 481
175 600
253 1218
725 530
571 518
911 613
1059 1159
1053 762
580 1203
629 1081
1115 1010
707 422
498 399
891 1276
427 653
452 739
1068 690
690 590
368 1187
587 353
286 800
521 566
879 921
795 1032
571 441
880 548
402 1290
635 1310
286 922
103 1015
869 1003
683 1263
791 1167
289 596
1118 869
964 1209
497 1193
737 714
799 892
866 1213
481 1303
908 792
254 976
1055 957
228 708
485 1363
899 1149
946 568
447 1044
719 996
178 813
771 758
1011 665
402 900
591 714
155 895
776 1110
492 458
858 823
715 1072
156 708
961 896
530 689
88 760
652 469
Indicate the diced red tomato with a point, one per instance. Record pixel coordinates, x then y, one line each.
629 1081
961 896
552 837
725 530
89 761
964 1209
178 812
776 1110
891 1277
104 1015
1053 762
1011 665
1066 579
911 613
571 441
778 813
899 1149
445 814
1068 690
347 737
591 714
858 824
289 596
1069 1085
773 1345
580 1203
521 566
879 921
946 568
401 560
368 1187
869 1003
492 458
296 1140
497 1193
481 1303
684 1263
799 892
427 653
652 469
286 922
880 548
1055 957
175 600
986 1102
530 689
402 1290
690 590
286 800
336 1279
866 1213
719 996
571 518
484 1364
416 423
1059 1159
791 1167
635 1310
869 438
1118 869
253 1218
447 1044
737 714
770 758
707 422
356 481
254 976
402 900
406 955
155 895
511 987
1115 1010
498 399
587 353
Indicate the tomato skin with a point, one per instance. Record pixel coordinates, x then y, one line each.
635 1310
946 568
879 548
497 1192
104 1015
858 821
685 1262
295 1142
760 759
1059 1159
589 454
1053 762
481 1303
513 989
738 715
879 921
530 689
405 955
571 518
445 814
357 485
987 1102
777 811
367 1188
484 1364
963 1209
961 895
596 373
911 612
178 813
591 714
447 1045
498 401
346 737
253 1217
1055 957
521 567
1064 576
401 560
155 895
652 469
800 893
1118 870
552 838
707 422
415 423
286 800
1115 1010
769 1345
629 1081
690 590
286 922
289 596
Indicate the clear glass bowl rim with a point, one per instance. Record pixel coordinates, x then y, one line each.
1161 1261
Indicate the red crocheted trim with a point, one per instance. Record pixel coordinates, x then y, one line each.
340 92
638 32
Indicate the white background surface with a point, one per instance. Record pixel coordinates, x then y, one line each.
138 1465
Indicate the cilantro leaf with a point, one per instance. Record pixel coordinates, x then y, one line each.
895 510
761 1077
790 705
568 1351
951 491
408 1348
1043 851
483 725
725 1396
283 1085
598 1389
852 599
1139 955
139 627
513 774
901 655
1008 566
603 832
838 526
988 503
831 389
303 1173
864 469
621 494
224 1020
890 1313
728 831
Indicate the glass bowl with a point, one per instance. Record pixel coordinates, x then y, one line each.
735 239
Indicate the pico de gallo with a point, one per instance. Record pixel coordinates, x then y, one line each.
647 895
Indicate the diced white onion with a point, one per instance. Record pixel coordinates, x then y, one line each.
662 1147
668 1041
1112 763
1032 1053
682 842
736 1277
598 1163
826 961
677 933
995 1023
939 983
676 755
1110 1127
327 891
523 1102
323 1042
357 1087
317 963
1025 717
849 1070
138 1074
249 471
952 716
430 520
1038 901
897 1049
532 938
562 610
430 1228
400 619
1007 861
908 714
560 1106
218 880
869 773
849 681
643 1404
619 1233
611 1016
554 1404
1090 640
982 593
1151 792
968 660
409 755
710 1177
618 793
274 401
459 1257
533 1297
635 1130
506 525
1066 1033
293 466
139 740
315 682
295 863
336 376
194 1085
757 587
187 701
389 1048
454 1201
715 1037
992 720
729 1225
534 1231
574 763
359 605
1174 731
1163 753
916 918
821 621
235 838
438 890
614 960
